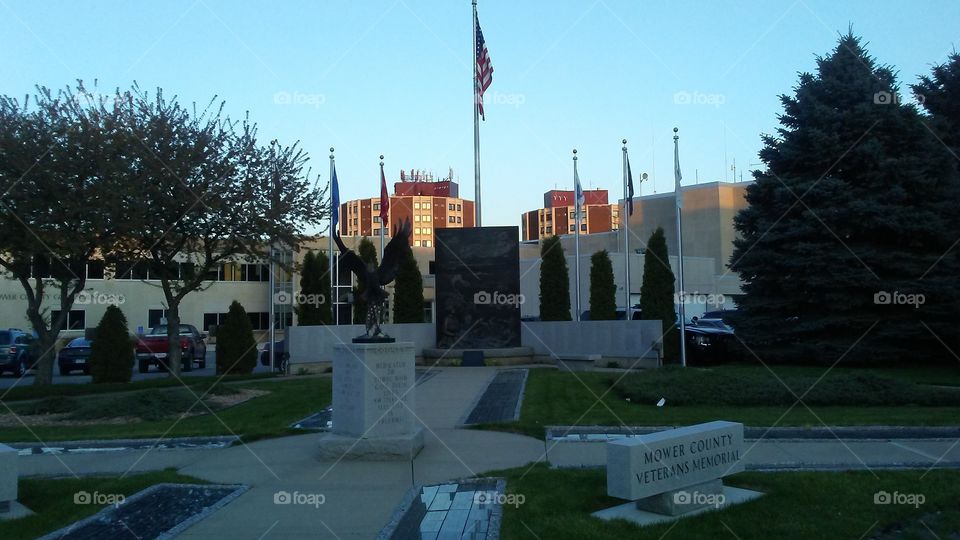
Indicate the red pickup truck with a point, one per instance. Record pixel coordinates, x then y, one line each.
153 347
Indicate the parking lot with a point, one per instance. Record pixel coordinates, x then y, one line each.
8 381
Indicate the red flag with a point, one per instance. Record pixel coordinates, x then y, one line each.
384 199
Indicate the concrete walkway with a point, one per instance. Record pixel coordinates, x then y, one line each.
359 497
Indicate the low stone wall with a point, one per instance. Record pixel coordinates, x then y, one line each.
610 339
310 344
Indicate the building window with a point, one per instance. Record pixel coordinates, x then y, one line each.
95 270
452 206
583 227
426 206
428 230
155 317
459 208
416 206
427 243
416 218
376 206
76 319
416 230
451 219
376 219
573 228
212 320
416 243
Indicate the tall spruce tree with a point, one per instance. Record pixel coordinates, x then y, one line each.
314 301
657 293
554 282
368 254
408 291
603 290
854 208
236 346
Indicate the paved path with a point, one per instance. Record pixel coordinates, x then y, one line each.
359 497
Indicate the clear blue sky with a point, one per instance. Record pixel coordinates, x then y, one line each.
394 76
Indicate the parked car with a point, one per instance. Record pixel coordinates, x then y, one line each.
723 314
75 356
152 349
280 357
18 352
711 341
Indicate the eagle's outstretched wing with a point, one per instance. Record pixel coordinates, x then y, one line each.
350 260
394 253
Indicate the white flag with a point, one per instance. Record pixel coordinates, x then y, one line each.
676 173
578 190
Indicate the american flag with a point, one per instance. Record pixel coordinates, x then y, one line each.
484 69
384 200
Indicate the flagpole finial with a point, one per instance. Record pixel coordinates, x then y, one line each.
624 141
574 154
381 160
331 152
675 136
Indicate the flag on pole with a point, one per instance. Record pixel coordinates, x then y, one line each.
676 174
484 69
578 190
629 188
384 200
334 200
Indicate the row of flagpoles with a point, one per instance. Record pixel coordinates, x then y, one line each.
334 187
482 78
625 214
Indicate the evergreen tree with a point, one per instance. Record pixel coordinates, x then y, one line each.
940 94
554 282
657 293
368 254
111 353
236 347
314 303
855 204
603 290
408 291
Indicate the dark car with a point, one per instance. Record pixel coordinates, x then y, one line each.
723 314
280 357
75 356
18 352
710 341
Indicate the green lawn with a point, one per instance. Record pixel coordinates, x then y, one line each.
265 416
558 503
557 398
52 500
29 391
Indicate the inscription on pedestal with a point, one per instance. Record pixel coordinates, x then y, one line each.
372 390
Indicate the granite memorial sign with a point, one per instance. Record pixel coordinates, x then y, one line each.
653 469
478 288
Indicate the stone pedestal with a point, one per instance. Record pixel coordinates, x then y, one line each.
373 403
8 482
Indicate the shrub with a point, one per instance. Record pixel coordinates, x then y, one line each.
236 347
111 353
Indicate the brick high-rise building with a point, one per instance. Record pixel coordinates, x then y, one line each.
557 215
429 205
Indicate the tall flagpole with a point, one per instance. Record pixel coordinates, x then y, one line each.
576 218
679 200
476 123
382 228
332 274
625 227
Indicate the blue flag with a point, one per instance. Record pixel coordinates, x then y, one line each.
334 201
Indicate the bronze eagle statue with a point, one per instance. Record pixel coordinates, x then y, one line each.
374 279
